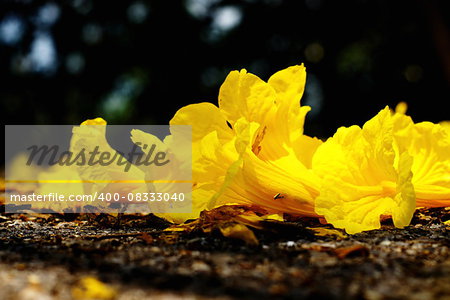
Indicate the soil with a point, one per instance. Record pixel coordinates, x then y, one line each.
47 256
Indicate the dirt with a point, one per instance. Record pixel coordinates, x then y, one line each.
47 256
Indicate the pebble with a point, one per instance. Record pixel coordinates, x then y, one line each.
200 267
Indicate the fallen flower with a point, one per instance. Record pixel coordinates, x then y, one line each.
251 149
429 145
84 179
388 167
363 177
91 288
239 231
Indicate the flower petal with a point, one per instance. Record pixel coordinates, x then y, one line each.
360 179
92 135
251 180
213 151
285 123
289 84
431 166
204 118
446 125
245 95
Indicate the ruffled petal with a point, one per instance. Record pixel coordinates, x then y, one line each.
281 186
360 179
446 126
289 85
213 154
204 118
431 168
245 134
429 145
244 95
284 127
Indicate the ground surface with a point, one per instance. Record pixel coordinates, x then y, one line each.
57 257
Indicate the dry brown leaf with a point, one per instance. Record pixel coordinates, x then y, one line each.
148 239
321 231
354 250
209 219
230 220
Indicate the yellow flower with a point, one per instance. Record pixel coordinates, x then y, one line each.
388 167
364 177
78 180
446 125
168 178
251 149
429 146
112 178
91 288
431 166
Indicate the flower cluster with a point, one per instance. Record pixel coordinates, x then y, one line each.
251 150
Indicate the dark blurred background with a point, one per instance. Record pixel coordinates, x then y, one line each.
137 62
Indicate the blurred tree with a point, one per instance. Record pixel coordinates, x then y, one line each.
139 61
